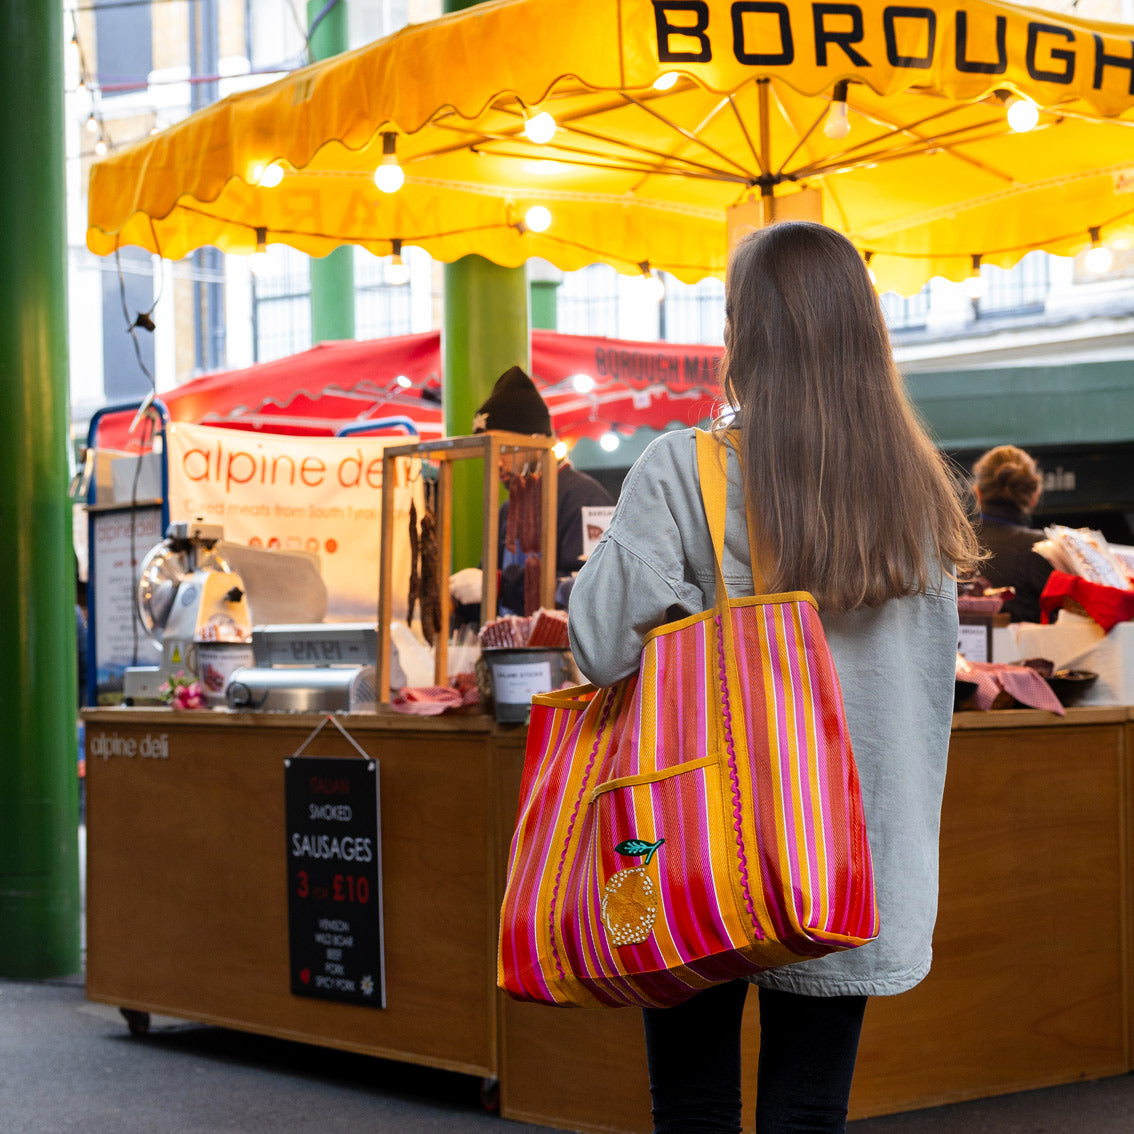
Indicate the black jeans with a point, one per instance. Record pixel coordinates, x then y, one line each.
808 1046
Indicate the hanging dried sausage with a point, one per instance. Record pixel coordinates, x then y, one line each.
415 554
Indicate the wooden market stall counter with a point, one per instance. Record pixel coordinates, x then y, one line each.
187 909
187 903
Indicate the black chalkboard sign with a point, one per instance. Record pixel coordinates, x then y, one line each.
334 879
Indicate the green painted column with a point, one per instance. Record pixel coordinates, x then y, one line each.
332 276
545 304
486 331
39 849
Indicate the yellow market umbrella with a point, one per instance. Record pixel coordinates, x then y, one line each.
923 171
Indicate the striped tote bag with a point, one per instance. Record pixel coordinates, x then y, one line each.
698 821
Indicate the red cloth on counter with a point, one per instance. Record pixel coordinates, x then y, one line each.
1022 682
1106 605
432 700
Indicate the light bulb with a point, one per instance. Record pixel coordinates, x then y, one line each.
1023 114
973 287
654 287
397 272
537 218
665 82
92 125
837 124
1099 259
258 260
404 382
389 176
583 383
271 175
540 128
608 442
100 147
559 450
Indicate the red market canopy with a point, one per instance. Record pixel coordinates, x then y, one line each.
336 385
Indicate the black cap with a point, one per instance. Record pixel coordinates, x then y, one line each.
514 405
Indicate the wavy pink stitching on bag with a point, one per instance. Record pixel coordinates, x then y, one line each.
734 779
570 828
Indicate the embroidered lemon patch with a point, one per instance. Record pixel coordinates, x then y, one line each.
629 900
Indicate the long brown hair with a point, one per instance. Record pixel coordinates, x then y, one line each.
850 498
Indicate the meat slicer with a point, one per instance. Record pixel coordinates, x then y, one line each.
186 593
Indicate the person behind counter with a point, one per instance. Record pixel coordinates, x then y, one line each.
515 406
1007 485
808 366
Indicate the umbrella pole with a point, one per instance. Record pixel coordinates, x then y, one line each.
39 801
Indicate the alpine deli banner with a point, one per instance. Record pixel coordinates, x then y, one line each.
294 493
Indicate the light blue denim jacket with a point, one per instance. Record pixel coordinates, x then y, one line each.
895 664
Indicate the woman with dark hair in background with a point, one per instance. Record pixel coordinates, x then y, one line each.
1007 485
818 401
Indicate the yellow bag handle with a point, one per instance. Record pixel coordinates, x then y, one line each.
712 469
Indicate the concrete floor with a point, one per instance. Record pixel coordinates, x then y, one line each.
69 1065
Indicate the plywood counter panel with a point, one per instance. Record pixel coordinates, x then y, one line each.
1028 986
187 910
187 886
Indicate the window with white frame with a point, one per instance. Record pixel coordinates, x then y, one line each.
382 307
587 302
906 312
693 313
1022 288
281 303
276 35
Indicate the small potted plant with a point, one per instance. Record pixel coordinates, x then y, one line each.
181 692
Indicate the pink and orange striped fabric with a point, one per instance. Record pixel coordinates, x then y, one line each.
699 821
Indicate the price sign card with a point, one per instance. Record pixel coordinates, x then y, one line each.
334 879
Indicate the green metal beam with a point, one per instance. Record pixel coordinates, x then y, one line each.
332 276
486 331
1027 405
39 852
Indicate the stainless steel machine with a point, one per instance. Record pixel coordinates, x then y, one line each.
186 593
322 667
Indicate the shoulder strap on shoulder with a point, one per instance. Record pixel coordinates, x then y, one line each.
712 469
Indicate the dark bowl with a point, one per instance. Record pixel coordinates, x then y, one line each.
962 691
1070 684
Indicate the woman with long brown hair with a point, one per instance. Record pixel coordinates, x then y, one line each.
849 500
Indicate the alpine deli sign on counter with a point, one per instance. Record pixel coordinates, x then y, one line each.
334 879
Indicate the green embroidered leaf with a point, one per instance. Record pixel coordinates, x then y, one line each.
632 848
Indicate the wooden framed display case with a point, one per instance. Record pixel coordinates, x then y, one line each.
490 449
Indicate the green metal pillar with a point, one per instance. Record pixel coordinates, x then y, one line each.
39 846
486 331
332 276
545 304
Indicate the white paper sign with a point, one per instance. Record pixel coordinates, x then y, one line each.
517 684
973 642
120 540
317 494
596 519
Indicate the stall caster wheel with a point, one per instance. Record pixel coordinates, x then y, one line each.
490 1094
137 1022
